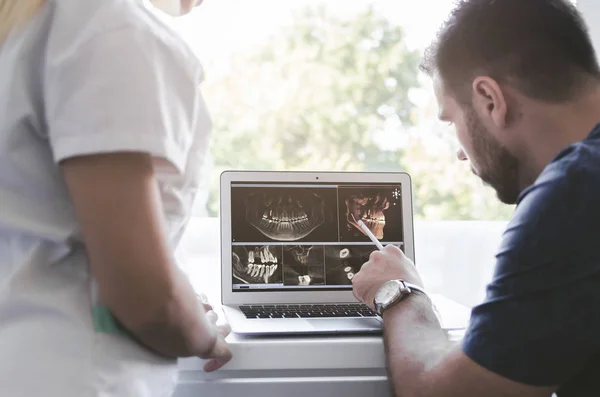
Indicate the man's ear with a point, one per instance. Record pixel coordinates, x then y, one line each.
489 101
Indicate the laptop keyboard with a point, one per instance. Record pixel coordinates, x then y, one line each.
307 311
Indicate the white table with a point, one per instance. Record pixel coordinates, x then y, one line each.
299 366
268 367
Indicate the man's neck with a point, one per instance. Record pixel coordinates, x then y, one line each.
554 127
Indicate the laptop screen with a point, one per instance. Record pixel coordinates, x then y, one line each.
305 236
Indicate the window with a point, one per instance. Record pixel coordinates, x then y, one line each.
332 85
335 85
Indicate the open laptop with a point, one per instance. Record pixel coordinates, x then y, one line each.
290 247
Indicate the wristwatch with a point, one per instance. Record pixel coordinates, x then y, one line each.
391 292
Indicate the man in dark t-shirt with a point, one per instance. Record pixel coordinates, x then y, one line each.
520 81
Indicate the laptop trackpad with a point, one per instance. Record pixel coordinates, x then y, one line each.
346 325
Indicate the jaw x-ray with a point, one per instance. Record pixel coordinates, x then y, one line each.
256 264
266 214
303 265
285 216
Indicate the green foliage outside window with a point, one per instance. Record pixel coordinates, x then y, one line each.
330 93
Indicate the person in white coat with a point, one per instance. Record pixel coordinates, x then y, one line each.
103 131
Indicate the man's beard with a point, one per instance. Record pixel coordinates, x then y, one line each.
496 166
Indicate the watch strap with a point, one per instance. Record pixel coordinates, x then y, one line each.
413 287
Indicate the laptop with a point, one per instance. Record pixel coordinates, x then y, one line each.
290 246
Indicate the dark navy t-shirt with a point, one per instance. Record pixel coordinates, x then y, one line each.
540 321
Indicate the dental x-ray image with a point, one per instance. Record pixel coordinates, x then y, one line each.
257 264
378 207
303 265
342 262
283 214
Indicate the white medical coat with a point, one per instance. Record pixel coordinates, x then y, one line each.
85 77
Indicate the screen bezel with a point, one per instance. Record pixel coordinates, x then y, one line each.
230 297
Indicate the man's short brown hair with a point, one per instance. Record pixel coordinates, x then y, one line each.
540 47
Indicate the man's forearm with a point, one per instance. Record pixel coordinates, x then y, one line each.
415 343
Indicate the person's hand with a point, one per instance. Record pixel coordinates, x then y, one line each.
212 316
382 266
220 354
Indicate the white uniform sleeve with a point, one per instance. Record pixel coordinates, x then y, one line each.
126 90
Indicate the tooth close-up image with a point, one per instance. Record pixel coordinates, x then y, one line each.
343 262
303 265
287 215
257 264
344 252
300 253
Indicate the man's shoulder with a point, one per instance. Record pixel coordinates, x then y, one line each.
538 324
572 179
559 215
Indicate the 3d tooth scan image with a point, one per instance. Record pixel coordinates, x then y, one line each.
284 214
379 208
303 265
257 264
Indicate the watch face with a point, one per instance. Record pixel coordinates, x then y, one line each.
387 292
